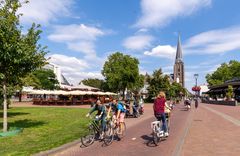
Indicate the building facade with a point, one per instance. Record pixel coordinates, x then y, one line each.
179 65
59 76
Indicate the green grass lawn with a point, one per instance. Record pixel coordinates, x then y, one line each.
44 129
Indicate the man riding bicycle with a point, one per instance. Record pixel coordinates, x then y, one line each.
118 112
100 116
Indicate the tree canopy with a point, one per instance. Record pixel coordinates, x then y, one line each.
157 82
160 82
20 52
46 79
226 71
97 83
121 72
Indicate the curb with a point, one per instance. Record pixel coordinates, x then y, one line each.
58 149
178 148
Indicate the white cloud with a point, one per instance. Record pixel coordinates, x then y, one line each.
85 47
74 69
138 42
167 69
80 38
44 11
214 41
165 51
73 32
68 62
156 13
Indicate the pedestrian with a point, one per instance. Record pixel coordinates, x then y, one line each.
196 103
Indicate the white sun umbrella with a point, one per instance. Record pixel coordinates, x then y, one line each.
100 93
110 93
39 92
114 93
60 92
77 92
90 93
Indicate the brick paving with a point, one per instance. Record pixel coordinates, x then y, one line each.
139 129
233 111
212 135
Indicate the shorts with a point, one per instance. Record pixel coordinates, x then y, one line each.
167 115
121 118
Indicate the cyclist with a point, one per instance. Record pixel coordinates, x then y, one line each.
100 116
118 112
159 110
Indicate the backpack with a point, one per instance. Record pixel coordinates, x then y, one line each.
123 107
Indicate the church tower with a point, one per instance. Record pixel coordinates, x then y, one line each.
179 65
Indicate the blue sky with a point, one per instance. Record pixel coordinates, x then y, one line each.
81 34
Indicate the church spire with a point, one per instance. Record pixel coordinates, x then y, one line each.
179 50
179 65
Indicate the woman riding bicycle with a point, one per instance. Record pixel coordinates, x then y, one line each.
159 110
100 116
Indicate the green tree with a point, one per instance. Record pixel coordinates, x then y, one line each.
29 80
20 52
158 82
97 83
45 79
139 83
224 72
229 92
121 72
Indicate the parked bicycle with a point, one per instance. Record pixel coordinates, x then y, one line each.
94 133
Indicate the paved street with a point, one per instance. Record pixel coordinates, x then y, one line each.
208 130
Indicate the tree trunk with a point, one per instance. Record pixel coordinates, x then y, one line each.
20 95
124 94
4 107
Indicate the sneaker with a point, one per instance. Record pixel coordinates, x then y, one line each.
166 134
160 135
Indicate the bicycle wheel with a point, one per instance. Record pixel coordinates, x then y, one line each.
108 134
121 135
156 139
88 139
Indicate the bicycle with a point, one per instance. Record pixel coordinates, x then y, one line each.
94 132
157 132
116 131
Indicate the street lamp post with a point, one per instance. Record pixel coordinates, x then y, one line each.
196 92
196 77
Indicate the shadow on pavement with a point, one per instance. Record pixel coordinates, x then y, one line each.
197 120
184 109
148 140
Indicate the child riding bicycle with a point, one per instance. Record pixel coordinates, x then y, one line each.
100 116
118 111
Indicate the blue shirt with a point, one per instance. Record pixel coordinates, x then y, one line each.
120 107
